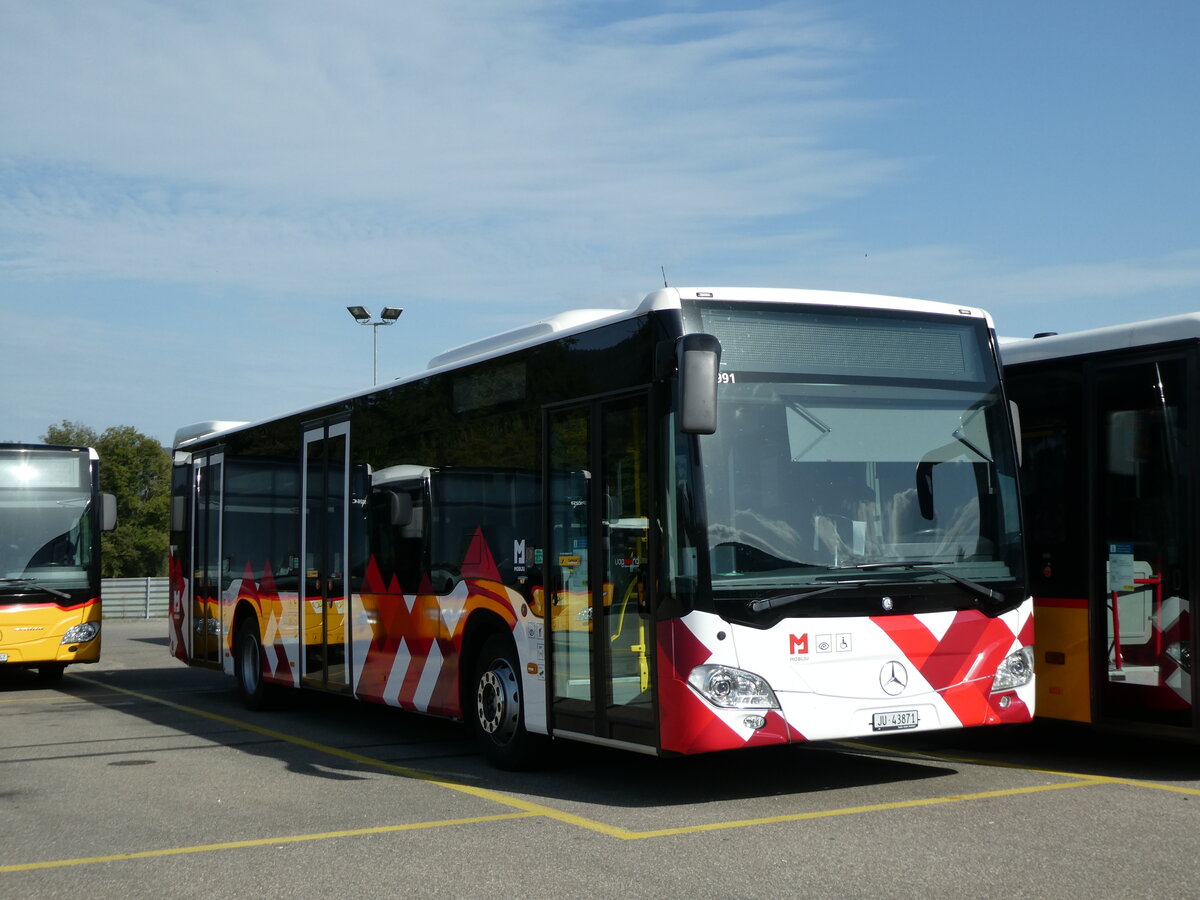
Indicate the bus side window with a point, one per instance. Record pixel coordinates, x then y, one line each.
398 520
502 508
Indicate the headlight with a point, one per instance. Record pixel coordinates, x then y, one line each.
1016 670
81 634
732 688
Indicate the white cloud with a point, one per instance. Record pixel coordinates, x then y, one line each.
192 191
380 142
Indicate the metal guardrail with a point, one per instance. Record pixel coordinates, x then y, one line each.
135 598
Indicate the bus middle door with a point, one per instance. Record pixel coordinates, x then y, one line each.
599 617
323 601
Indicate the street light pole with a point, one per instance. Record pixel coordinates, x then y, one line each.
363 317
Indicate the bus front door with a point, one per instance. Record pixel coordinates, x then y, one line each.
1142 491
601 639
323 604
208 575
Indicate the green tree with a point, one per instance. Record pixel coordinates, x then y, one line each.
136 469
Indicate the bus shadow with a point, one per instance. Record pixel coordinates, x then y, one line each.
203 705
367 739
13 679
588 774
1067 748
162 641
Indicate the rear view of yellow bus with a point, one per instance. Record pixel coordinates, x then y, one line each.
51 517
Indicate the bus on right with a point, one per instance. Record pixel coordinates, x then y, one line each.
1110 426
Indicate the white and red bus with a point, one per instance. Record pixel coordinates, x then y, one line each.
726 518
1110 419
51 516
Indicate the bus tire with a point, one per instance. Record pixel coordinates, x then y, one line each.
248 665
51 672
497 713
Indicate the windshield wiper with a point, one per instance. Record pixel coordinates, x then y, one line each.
29 582
958 435
787 598
807 415
979 590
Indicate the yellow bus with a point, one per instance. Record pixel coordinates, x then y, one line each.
51 516
1109 482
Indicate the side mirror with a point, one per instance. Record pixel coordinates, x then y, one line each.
699 357
394 507
178 513
108 512
401 509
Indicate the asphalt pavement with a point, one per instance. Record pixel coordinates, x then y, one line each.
140 777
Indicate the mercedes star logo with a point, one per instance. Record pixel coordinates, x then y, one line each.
893 677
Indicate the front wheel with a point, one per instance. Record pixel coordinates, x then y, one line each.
498 718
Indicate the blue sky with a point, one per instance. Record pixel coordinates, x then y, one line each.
191 193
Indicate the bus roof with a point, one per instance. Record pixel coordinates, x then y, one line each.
90 451
1171 329
575 321
671 298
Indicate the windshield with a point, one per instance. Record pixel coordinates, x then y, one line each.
855 446
45 526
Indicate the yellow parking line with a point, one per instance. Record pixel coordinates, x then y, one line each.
58 697
874 807
391 768
1001 764
1151 785
258 842
536 809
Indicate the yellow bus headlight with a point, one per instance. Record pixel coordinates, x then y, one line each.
81 634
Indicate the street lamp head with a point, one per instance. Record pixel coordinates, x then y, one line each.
362 316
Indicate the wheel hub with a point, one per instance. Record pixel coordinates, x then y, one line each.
496 702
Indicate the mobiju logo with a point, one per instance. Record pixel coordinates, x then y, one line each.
799 644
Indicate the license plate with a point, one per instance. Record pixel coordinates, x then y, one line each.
894 721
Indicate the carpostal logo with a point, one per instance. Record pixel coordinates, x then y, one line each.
798 646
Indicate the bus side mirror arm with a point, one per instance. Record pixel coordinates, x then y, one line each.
1015 412
925 488
698 357
108 512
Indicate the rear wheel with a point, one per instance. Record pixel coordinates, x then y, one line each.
498 718
248 666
